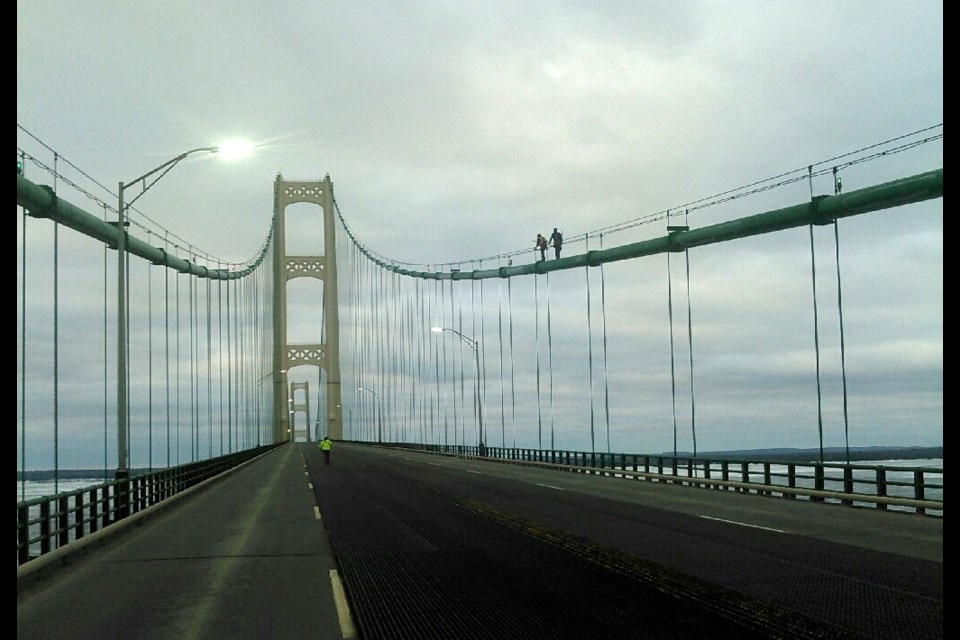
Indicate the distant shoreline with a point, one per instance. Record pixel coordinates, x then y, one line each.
830 454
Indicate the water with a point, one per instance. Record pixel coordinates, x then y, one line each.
30 489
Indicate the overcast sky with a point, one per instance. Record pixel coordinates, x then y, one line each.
455 131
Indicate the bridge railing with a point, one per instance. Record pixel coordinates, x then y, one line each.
52 522
912 489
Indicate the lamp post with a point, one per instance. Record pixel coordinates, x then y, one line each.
475 345
380 404
235 149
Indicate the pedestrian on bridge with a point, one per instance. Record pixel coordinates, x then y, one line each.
556 239
325 445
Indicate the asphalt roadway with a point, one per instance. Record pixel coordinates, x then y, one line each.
387 543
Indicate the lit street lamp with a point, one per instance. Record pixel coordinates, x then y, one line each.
232 149
380 421
475 345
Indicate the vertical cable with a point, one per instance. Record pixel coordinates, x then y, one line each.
586 273
673 375
453 370
231 364
693 414
536 331
193 361
606 382
503 411
463 375
166 342
843 359
209 369
106 250
23 350
149 362
481 355
816 340
513 388
177 367
56 342
220 349
550 362
237 362
446 426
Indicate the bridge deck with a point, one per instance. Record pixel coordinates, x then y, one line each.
436 547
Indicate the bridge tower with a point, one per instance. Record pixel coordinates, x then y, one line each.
325 355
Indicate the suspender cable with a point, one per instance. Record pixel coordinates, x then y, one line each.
482 384
220 354
513 387
816 324
503 427
105 338
606 382
360 340
463 375
237 361
816 340
194 418
426 425
837 187
586 273
149 363
456 419
380 353
166 343
550 364
395 329
843 360
230 449
209 369
177 367
536 316
126 297
23 351
478 437
673 376
56 342
693 414
446 426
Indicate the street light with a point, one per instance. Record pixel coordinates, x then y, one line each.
233 149
380 404
475 345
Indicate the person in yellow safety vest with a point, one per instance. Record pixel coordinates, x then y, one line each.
325 446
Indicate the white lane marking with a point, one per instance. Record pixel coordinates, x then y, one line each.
433 464
310 486
476 472
347 629
744 524
316 512
550 486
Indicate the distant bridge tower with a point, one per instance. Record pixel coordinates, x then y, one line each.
325 355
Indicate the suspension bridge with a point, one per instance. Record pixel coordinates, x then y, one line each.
454 393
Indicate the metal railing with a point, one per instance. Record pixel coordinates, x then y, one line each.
53 522
913 489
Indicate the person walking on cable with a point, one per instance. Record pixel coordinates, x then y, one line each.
556 239
541 246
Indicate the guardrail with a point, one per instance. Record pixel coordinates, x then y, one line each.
913 489
54 522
